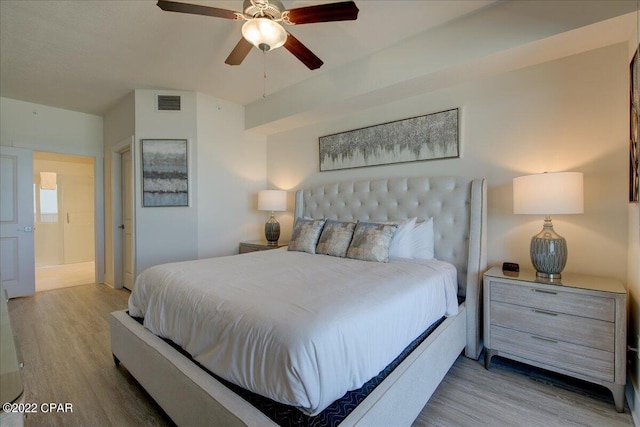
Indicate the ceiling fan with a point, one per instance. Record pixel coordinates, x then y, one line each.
263 27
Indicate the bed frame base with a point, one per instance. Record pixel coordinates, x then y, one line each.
459 207
192 397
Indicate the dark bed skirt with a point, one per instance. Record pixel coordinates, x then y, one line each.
289 416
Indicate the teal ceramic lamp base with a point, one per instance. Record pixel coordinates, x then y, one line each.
548 253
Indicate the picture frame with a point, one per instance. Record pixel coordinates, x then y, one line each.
165 172
427 137
634 130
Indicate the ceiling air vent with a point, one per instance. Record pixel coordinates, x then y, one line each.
168 103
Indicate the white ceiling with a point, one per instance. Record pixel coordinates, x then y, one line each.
87 55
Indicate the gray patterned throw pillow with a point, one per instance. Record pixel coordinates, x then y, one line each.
371 242
305 235
335 238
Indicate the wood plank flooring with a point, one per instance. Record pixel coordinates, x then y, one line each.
64 339
63 336
64 275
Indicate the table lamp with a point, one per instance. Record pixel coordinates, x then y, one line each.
547 194
272 200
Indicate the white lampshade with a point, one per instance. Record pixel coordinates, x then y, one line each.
548 193
264 33
272 200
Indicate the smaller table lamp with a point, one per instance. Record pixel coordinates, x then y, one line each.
272 200
546 194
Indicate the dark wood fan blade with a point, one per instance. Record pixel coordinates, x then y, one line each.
301 52
196 9
343 11
239 52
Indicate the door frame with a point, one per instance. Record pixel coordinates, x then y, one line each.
98 162
62 198
126 144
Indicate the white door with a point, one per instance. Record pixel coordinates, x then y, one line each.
78 206
17 265
127 218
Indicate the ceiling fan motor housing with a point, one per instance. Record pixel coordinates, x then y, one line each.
271 9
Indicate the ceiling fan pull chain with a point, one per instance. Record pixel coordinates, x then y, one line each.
264 68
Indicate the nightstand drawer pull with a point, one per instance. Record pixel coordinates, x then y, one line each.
542 291
544 339
550 313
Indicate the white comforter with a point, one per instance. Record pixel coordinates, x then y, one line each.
298 328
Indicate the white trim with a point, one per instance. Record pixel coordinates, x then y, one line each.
116 207
98 182
98 197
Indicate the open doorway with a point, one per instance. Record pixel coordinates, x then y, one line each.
64 187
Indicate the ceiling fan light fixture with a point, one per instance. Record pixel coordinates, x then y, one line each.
264 33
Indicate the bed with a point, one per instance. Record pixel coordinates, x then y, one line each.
190 396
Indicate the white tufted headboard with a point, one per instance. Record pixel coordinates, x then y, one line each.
457 206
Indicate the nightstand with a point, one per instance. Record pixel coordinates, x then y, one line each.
259 245
577 327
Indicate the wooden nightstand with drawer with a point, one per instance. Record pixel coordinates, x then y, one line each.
577 327
259 245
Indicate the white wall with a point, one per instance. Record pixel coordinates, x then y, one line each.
231 170
39 127
565 115
227 168
119 125
165 234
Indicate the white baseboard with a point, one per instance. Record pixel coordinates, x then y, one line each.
633 399
111 285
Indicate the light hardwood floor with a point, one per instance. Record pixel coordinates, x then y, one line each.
64 339
64 275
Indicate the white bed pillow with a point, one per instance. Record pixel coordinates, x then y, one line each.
422 240
401 243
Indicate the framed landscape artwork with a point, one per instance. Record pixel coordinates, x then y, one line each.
634 131
428 137
165 174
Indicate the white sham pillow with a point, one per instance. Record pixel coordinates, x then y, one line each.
402 243
422 240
